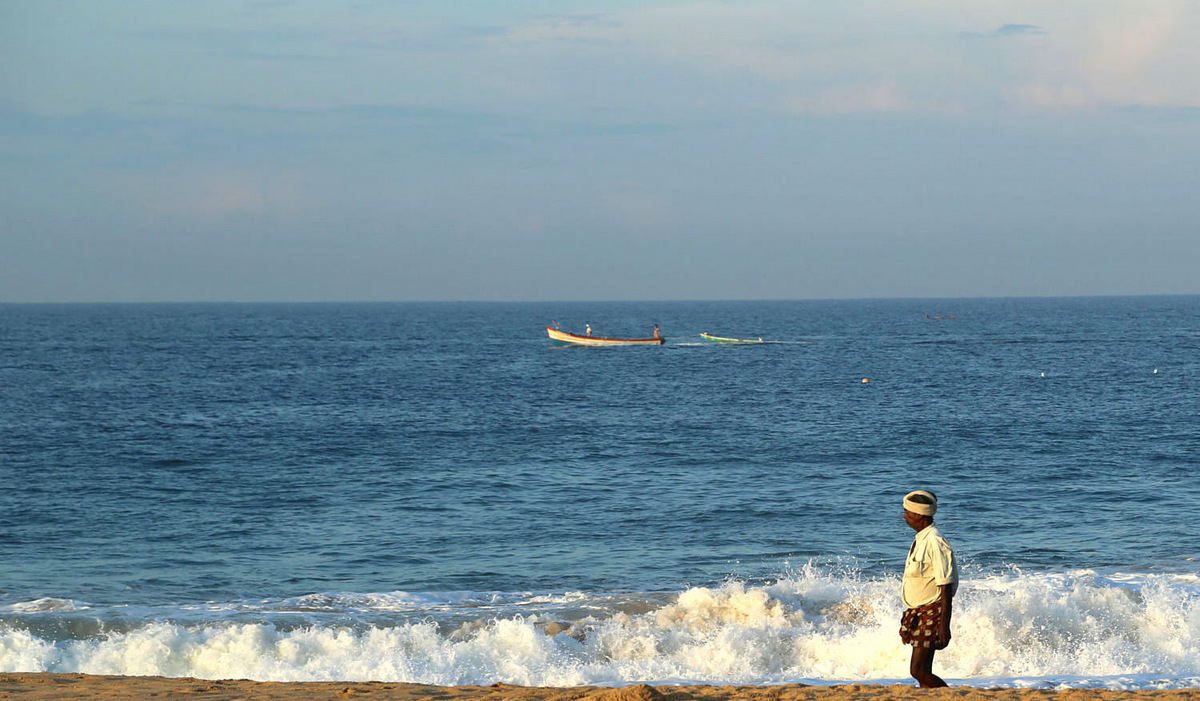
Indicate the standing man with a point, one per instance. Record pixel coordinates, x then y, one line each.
930 581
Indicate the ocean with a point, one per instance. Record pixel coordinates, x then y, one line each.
435 493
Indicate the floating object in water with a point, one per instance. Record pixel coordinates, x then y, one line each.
1043 374
865 381
1155 371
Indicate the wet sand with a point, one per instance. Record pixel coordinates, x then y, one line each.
44 687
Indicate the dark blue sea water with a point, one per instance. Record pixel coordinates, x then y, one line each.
437 493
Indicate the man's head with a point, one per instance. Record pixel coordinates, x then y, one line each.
919 507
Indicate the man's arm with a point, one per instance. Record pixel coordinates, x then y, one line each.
946 596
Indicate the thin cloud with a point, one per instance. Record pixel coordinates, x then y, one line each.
1004 31
578 29
851 99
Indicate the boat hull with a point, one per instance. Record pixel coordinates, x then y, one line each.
574 339
722 339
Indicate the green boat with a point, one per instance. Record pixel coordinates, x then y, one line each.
722 339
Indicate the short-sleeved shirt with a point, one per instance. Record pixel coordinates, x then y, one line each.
930 564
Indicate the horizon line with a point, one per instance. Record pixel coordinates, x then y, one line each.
585 301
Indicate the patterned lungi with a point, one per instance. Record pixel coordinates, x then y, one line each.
919 626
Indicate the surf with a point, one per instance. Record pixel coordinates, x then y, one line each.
814 625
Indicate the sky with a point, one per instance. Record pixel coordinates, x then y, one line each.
273 151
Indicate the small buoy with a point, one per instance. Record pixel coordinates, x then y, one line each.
865 381
1155 371
1043 374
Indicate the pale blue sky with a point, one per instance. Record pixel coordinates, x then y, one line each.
607 150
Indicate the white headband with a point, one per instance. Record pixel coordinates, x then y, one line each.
919 508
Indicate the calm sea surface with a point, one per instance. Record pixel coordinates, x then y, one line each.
437 493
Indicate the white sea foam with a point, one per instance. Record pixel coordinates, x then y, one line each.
44 604
1011 629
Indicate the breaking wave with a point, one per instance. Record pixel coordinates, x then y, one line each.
1010 629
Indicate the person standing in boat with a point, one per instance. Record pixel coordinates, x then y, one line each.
930 581
589 329
656 331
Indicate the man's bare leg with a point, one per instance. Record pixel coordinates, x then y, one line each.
921 668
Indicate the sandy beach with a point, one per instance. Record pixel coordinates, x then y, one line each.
46 687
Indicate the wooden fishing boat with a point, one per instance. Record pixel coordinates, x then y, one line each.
722 339
564 337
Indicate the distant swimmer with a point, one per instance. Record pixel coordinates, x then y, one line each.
930 581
